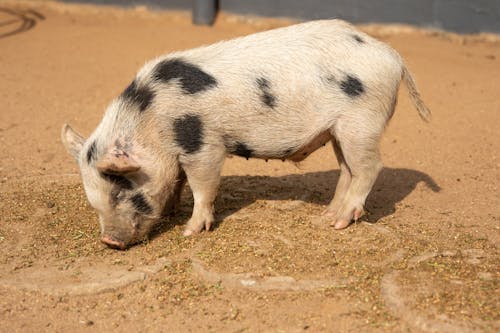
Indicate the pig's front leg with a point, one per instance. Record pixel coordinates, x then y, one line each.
173 204
203 174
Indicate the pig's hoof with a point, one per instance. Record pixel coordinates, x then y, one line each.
207 226
195 226
328 212
358 212
188 233
341 224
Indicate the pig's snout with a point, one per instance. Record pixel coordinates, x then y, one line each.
113 242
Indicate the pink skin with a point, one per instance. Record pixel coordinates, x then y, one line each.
343 223
113 242
189 232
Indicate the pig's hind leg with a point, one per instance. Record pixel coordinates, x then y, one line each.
342 184
359 160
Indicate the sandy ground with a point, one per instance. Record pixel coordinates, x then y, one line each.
424 258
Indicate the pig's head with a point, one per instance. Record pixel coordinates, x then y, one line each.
128 184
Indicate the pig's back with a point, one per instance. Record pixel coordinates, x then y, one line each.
286 84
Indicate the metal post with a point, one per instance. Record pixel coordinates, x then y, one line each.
204 11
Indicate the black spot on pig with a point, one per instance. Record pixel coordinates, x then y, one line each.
263 83
140 204
192 78
268 99
189 133
266 96
352 86
142 96
119 183
91 153
240 149
358 39
118 180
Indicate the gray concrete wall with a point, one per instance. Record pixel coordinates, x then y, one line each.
454 15
465 16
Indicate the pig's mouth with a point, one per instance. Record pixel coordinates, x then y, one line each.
113 242
121 239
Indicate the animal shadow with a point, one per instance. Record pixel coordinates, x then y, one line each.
17 21
237 192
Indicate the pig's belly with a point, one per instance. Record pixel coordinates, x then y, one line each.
310 147
290 148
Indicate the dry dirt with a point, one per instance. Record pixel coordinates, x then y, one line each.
425 258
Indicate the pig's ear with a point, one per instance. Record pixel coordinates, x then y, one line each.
72 141
117 161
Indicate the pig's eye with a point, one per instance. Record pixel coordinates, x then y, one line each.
116 196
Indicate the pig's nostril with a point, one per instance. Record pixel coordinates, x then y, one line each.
113 242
